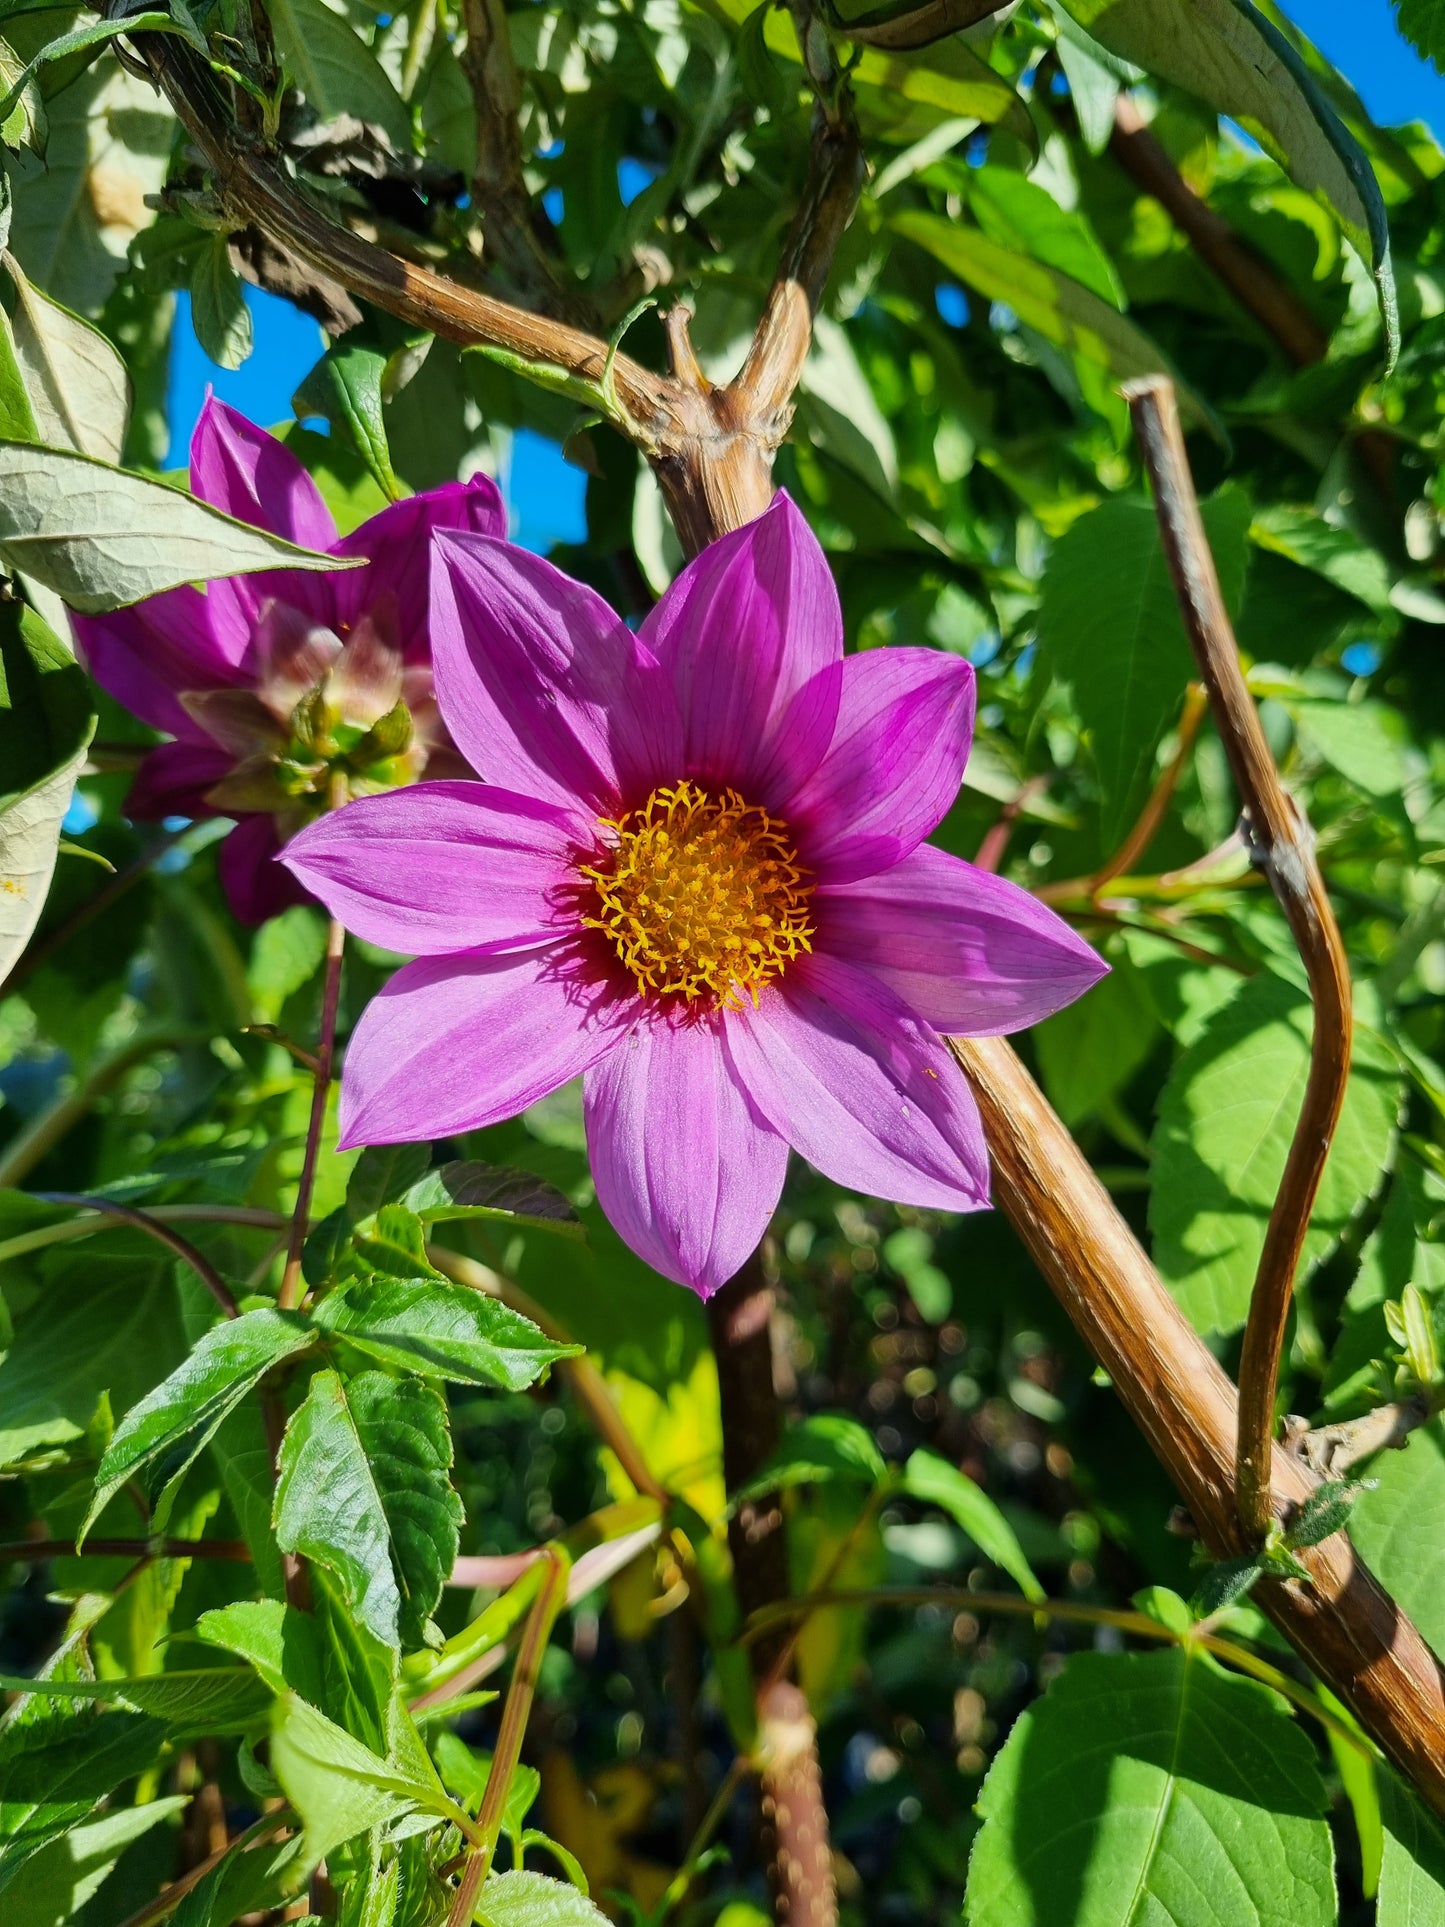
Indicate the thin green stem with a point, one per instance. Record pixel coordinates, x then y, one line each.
520 1694
95 1220
137 1220
289 1296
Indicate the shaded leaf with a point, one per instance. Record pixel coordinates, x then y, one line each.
1153 1786
1412 1871
1399 1528
78 386
102 537
466 1189
823 1446
219 313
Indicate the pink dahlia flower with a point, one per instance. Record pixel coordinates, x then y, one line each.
694 874
289 690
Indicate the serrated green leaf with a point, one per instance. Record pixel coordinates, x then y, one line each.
932 1479
158 1438
466 1189
1153 1787
440 1330
534 1900
276 1638
1226 1119
1225 1583
1109 628
340 1787
219 313
250 1880
363 1487
78 386
347 388
216 1700
102 537
381 1175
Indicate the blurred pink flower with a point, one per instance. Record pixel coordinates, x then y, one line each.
695 874
287 690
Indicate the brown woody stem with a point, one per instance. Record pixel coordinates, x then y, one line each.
1283 846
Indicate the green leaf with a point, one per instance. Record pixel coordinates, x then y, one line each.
217 1700
823 1446
347 388
381 1175
1398 1528
932 1479
67 1871
161 1436
363 1487
1227 53
1423 24
466 1773
335 70
1018 213
1325 1512
1109 627
1153 1787
53 1772
83 40
78 386
277 1639
1226 1119
534 1900
46 723
102 537
17 415
1059 308
440 1330
1412 1872
250 1880
219 313
466 1189
340 1787
95 1343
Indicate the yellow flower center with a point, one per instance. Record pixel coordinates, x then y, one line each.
702 895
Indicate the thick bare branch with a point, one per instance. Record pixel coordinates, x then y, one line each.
1282 845
1344 1624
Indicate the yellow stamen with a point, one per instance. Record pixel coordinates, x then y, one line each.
702 895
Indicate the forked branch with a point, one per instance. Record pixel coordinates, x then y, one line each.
1283 847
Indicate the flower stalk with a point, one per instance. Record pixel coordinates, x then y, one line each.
289 1295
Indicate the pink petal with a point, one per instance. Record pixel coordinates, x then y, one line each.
248 474
145 656
256 886
455 1043
896 760
545 690
398 542
845 1071
970 953
685 1167
751 635
439 868
173 780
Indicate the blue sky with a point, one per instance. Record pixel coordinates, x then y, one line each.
545 494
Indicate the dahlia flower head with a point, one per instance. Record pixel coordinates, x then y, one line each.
693 873
287 691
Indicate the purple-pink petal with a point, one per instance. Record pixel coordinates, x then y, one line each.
439 868
145 656
397 541
970 953
685 1167
256 886
544 689
905 722
455 1043
842 1068
246 473
751 635
173 779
